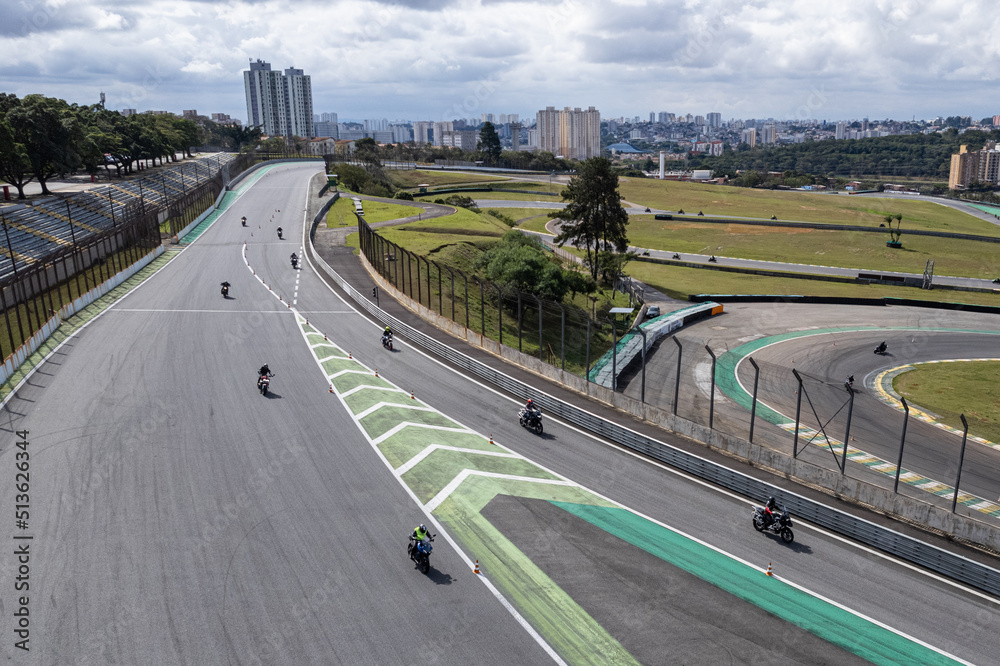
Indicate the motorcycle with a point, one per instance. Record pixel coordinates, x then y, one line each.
881 349
279 234
295 262
387 341
712 259
532 420
849 384
263 383
780 524
225 290
244 221
420 552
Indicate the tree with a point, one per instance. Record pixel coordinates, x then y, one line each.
520 262
593 218
15 167
489 142
50 133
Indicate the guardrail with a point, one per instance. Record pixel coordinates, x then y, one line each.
912 550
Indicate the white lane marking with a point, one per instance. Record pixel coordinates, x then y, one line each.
160 310
453 485
409 424
363 387
377 406
417 459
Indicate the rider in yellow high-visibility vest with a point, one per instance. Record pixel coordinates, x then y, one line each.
419 534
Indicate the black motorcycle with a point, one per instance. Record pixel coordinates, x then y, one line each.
279 234
881 349
264 383
849 384
420 552
531 419
225 290
295 262
244 221
387 341
780 524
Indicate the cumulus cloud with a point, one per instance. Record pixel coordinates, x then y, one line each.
427 58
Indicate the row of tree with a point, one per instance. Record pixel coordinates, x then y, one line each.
42 137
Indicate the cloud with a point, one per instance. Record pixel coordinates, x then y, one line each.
750 58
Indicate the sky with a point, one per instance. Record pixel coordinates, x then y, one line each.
445 59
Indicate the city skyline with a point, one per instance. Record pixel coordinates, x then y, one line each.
445 60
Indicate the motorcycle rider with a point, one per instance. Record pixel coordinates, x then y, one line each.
225 287
244 220
279 232
295 260
386 335
850 381
769 511
420 533
882 348
263 372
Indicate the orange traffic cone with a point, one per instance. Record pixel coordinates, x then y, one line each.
350 355
376 372
331 388
768 572
476 570
491 438
411 396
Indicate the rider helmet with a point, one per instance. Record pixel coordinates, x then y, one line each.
423 528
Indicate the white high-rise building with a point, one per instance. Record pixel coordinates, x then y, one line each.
420 132
768 134
440 128
841 130
573 134
280 104
749 136
714 119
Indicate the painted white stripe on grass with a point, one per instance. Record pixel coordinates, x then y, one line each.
379 405
409 424
345 372
365 387
331 357
417 459
466 473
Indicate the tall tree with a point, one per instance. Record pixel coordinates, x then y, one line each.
489 142
15 167
50 133
593 218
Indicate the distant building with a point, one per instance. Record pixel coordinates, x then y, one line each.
280 104
421 132
768 134
128 112
440 128
716 148
327 128
841 132
996 121
321 146
714 119
462 139
573 134
190 114
749 136
982 166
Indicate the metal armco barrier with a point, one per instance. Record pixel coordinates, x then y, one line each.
954 566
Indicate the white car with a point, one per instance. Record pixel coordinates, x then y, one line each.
653 311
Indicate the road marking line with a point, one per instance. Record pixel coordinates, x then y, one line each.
417 459
466 473
363 387
410 424
401 405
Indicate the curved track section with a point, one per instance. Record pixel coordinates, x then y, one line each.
180 517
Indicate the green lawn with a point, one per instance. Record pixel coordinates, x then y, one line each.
520 214
429 236
950 389
848 249
799 206
506 196
341 214
679 282
410 179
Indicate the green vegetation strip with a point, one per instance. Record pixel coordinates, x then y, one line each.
727 200
951 389
341 214
803 245
679 282
822 618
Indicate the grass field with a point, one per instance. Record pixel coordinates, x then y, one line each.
799 206
506 196
950 389
524 213
679 282
429 236
847 249
341 214
410 179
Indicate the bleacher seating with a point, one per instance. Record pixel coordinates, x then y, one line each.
43 227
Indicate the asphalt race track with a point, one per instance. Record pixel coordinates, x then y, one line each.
180 517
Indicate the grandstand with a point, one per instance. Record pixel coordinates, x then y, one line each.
42 227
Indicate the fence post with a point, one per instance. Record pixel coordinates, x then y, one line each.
902 440
677 383
711 397
614 356
586 369
753 406
482 307
798 413
540 341
961 458
847 434
13 265
465 278
499 313
642 390
562 335
518 321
